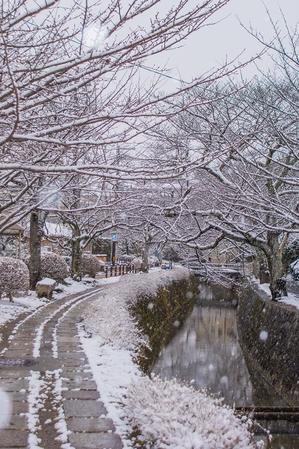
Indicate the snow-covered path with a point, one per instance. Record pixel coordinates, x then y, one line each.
47 377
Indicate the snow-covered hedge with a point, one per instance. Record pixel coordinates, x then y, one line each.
110 318
167 415
137 262
90 265
14 275
53 266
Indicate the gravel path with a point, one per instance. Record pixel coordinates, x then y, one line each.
44 369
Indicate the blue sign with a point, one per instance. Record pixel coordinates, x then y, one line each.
114 237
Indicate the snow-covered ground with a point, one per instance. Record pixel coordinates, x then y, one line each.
292 298
11 310
166 413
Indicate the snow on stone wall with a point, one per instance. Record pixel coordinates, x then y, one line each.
109 316
164 414
269 335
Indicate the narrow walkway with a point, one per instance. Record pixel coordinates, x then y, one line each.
46 373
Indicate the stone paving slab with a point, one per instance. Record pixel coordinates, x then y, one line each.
80 408
72 372
90 424
17 396
17 422
84 385
81 394
95 441
14 386
13 438
20 407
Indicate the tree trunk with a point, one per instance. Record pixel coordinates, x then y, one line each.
76 256
145 253
35 249
275 264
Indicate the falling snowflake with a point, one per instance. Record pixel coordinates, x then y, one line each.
263 335
94 37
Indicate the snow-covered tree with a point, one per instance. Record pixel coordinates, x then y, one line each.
70 89
242 141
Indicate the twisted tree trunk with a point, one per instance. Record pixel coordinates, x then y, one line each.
35 249
76 254
275 265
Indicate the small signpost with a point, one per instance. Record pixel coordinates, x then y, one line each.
113 247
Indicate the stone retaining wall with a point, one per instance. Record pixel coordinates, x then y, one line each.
269 336
160 316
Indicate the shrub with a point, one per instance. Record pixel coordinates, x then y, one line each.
165 414
90 265
53 266
14 276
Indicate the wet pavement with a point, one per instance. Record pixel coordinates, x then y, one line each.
45 372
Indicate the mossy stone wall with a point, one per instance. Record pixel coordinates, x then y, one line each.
160 316
269 337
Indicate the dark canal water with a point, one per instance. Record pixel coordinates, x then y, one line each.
206 352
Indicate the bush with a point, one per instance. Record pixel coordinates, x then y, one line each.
14 276
53 266
90 265
166 415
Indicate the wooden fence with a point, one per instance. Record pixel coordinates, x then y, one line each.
119 270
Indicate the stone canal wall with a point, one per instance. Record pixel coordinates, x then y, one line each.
159 317
269 336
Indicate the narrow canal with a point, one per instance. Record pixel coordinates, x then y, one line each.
206 352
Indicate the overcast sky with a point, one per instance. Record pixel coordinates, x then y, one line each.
209 47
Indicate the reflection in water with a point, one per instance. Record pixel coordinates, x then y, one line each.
206 352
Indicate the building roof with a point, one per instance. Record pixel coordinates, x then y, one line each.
14 229
56 230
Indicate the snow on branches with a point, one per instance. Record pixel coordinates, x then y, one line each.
14 276
67 103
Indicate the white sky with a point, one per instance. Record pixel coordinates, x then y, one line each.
210 46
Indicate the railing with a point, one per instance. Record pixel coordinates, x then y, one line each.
120 270
221 268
